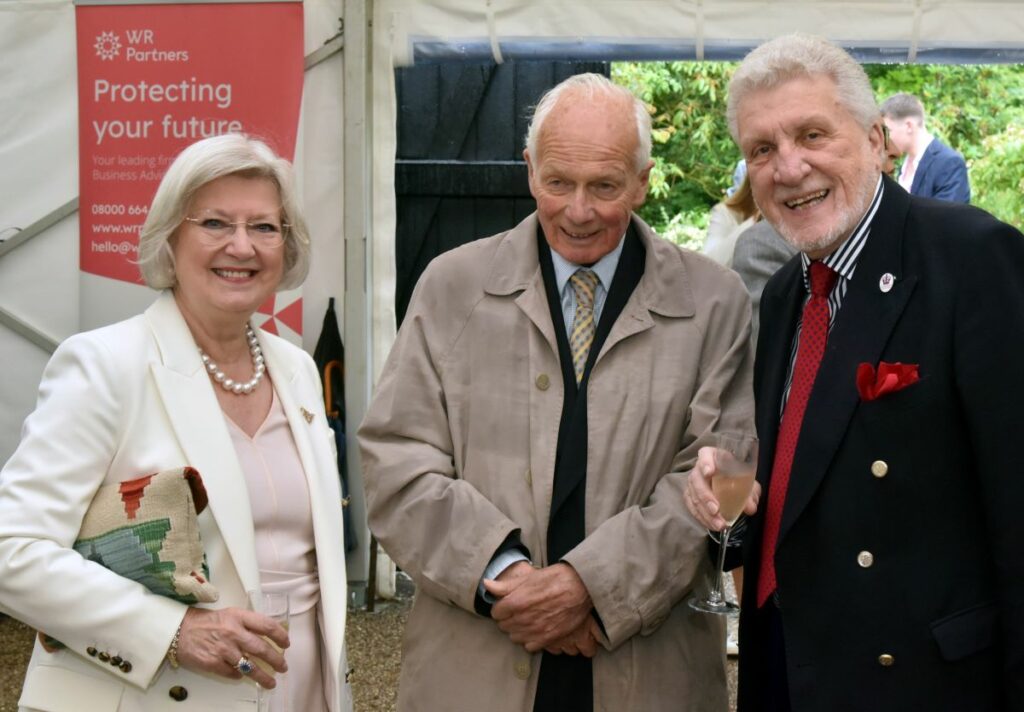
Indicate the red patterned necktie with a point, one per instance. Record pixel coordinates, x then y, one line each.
810 349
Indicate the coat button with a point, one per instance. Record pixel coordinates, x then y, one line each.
178 693
91 651
126 667
865 559
104 657
879 468
116 660
522 669
886 660
543 382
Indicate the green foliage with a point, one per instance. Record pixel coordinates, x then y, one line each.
963 103
694 156
997 178
977 109
686 229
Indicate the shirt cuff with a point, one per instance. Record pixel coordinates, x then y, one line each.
498 564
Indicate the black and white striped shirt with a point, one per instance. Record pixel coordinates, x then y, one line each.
843 261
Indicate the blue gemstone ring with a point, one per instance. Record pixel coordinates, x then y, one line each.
244 666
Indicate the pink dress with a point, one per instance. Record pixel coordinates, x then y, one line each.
285 551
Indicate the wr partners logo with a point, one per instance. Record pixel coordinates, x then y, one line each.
108 45
139 47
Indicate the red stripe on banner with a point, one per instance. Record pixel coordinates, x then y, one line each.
153 79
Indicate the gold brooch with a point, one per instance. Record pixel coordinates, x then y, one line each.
307 415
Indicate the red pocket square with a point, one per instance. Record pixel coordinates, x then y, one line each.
891 377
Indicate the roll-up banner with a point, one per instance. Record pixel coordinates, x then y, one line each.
152 79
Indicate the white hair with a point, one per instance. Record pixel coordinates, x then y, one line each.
589 85
798 55
201 163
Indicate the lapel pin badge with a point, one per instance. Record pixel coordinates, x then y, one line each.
886 282
307 415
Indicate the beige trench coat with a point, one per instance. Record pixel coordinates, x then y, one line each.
459 450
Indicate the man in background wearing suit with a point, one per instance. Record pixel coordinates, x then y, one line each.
931 168
883 564
531 434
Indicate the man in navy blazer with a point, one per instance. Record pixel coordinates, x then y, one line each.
883 562
931 169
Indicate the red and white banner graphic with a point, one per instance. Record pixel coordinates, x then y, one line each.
281 314
153 79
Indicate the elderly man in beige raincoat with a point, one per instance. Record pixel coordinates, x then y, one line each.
528 445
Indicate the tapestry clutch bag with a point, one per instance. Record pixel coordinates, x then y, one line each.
147 530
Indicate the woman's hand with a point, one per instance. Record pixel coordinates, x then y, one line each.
214 641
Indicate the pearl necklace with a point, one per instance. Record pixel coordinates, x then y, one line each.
237 387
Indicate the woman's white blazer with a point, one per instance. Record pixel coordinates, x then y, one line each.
115 404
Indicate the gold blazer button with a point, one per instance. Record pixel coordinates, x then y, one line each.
865 559
522 669
879 468
886 660
543 382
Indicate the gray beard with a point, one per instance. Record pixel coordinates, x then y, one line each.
842 228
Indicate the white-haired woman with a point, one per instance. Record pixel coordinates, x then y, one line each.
188 383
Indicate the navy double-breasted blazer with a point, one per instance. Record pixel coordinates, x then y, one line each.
900 559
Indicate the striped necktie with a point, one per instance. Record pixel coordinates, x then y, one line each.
584 283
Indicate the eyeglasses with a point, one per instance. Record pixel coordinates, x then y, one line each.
216 232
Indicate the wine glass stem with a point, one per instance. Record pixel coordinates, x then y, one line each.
717 597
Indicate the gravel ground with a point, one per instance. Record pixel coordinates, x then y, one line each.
374 644
15 650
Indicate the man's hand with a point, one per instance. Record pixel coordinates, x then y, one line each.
513 574
700 499
538 607
585 640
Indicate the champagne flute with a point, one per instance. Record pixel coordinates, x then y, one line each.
275 605
731 483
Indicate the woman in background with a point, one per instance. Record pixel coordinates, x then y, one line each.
727 220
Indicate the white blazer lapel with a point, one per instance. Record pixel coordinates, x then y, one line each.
302 404
199 424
